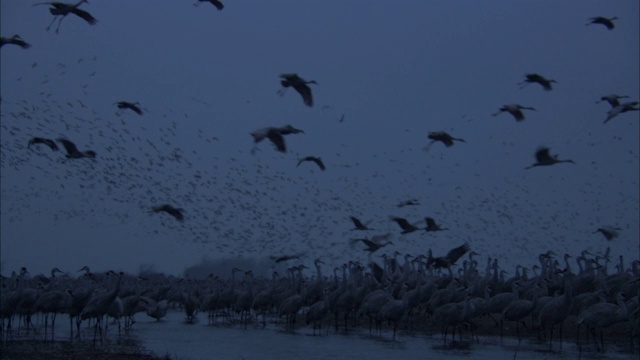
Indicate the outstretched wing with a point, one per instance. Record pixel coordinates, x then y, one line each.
456 253
404 224
68 146
277 139
85 15
305 91
319 162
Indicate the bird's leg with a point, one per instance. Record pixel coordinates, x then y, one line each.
54 20
53 326
59 23
281 91
560 336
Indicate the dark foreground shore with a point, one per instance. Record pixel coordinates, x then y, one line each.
65 350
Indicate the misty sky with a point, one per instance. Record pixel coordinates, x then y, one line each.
391 71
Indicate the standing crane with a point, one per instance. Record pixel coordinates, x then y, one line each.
543 158
14 40
515 110
608 22
537 78
298 83
99 305
63 9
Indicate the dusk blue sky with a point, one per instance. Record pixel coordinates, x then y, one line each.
206 79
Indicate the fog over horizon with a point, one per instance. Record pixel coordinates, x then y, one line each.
386 77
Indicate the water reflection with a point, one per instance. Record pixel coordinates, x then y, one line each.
201 341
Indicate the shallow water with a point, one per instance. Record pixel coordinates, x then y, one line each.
180 340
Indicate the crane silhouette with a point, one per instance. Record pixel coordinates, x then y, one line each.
612 99
432 226
443 137
410 202
215 3
282 258
404 225
275 134
556 311
299 84
448 260
63 9
358 224
543 158
602 316
38 140
73 152
128 105
515 110
539 79
622 108
316 160
99 305
175 212
607 22
608 232
14 40
375 243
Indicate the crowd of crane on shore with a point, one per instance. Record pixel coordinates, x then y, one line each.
420 293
